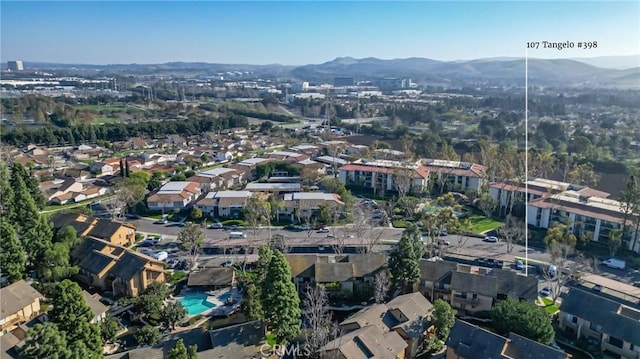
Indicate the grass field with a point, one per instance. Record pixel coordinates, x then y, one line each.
106 108
103 120
481 224
549 306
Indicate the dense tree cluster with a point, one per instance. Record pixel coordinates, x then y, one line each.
75 134
524 319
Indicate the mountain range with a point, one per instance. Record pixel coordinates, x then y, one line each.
581 72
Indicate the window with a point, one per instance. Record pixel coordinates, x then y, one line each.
616 342
475 296
595 328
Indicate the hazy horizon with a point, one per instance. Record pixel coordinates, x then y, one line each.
298 33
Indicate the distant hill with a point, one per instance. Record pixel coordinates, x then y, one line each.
501 70
496 71
612 62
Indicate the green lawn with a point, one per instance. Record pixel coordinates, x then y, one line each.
481 224
549 306
55 208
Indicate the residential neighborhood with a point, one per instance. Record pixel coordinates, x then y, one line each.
322 180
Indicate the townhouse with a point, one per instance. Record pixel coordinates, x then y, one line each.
344 272
473 289
117 233
384 175
20 303
456 175
287 156
174 195
114 268
224 204
470 341
405 317
301 206
612 325
273 188
217 179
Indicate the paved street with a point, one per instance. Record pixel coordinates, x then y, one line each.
460 245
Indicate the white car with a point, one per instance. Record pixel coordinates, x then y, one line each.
492 239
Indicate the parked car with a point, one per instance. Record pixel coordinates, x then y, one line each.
161 221
228 263
304 228
545 292
322 230
615 263
597 288
216 226
519 265
132 216
491 239
444 242
161 256
232 227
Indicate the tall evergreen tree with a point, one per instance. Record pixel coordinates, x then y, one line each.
6 193
24 208
45 341
403 262
72 315
12 258
280 301
37 239
126 166
122 169
32 184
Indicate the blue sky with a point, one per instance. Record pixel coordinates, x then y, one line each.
295 33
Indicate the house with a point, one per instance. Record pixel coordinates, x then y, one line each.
101 168
310 150
586 214
217 179
304 205
59 187
249 165
20 303
385 175
472 289
275 188
614 326
366 342
137 143
408 315
117 233
75 197
468 341
287 156
224 204
98 309
456 175
174 195
344 272
115 268
212 278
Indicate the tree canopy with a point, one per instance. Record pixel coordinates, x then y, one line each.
524 319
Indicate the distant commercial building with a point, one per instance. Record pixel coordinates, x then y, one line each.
343 81
300 87
15 65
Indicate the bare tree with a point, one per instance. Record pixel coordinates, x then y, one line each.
561 245
511 231
192 237
382 284
402 180
316 302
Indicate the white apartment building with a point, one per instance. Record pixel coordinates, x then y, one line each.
380 174
456 175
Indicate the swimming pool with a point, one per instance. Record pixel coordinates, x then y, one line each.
196 303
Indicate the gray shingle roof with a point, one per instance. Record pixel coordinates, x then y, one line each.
211 277
515 285
604 312
472 342
365 265
128 265
236 341
368 342
104 229
434 271
16 296
61 220
333 272
520 347
474 283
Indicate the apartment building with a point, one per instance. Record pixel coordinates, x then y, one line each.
456 175
174 195
385 175
303 205
224 204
